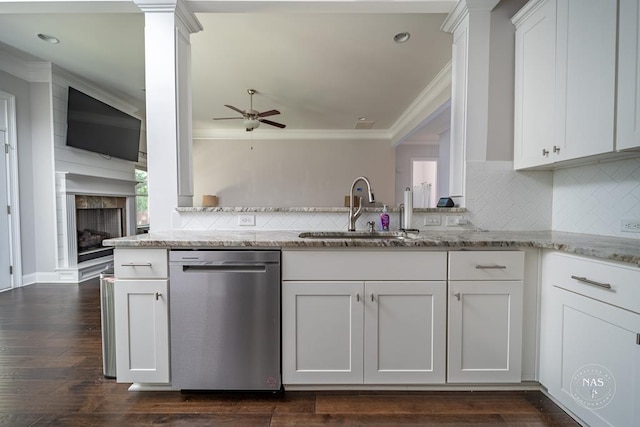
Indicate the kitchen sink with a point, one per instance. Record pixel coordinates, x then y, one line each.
380 235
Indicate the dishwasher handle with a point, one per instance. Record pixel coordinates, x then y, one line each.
232 267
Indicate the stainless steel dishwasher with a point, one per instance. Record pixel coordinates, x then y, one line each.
225 319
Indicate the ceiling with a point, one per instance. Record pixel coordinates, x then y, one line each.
322 71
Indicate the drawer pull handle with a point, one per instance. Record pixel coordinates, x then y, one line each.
158 295
372 298
137 264
491 267
457 295
358 297
591 282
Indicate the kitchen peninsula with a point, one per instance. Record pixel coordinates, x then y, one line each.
438 310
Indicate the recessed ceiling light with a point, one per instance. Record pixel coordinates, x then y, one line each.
362 119
49 39
401 37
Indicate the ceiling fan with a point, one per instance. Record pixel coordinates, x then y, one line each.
253 118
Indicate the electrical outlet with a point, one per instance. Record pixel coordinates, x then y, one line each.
432 220
630 225
453 220
246 220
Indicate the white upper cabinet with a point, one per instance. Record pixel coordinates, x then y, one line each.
585 77
535 89
567 66
628 113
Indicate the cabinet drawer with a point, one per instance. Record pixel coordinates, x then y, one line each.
141 263
486 265
613 284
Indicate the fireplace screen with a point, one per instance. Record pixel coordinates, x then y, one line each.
95 224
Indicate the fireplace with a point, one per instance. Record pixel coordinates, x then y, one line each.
89 210
98 218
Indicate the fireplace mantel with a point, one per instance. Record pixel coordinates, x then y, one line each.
68 186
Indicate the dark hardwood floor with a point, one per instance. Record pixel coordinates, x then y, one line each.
51 374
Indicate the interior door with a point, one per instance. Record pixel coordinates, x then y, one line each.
5 236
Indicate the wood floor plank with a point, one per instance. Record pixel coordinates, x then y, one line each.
51 374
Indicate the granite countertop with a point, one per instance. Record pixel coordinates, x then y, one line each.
324 209
609 248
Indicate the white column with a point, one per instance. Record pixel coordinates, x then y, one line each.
470 24
168 24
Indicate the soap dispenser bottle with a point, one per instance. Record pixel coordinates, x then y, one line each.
384 219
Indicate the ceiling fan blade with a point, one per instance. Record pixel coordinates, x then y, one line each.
269 113
234 109
269 122
227 118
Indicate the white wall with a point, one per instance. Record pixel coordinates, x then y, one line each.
43 180
593 199
290 173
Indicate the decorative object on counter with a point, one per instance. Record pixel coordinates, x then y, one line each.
408 209
209 201
445 202
384 219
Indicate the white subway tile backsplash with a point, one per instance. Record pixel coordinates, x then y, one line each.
499 198
595 198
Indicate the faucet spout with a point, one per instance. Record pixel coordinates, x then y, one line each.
354 213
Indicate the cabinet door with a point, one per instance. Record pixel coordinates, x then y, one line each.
142 331
535 69
322 332
405 340
593 359
628 120
485 331
585 77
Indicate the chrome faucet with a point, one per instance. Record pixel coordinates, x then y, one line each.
354 214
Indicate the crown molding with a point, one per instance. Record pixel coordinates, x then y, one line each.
294 134
432 97
30 71
526 10
461 11
179 7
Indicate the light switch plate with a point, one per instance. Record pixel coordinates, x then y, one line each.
246 220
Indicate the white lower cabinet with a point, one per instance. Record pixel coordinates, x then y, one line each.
485 332
356 332
485 316
142 331
590 338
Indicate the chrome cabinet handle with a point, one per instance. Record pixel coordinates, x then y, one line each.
591 282
490 267
136 264
545 152
457 295
358 297
556 149
158 295
372 298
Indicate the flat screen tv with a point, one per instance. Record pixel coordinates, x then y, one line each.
95 126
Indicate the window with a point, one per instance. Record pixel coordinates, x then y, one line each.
142 199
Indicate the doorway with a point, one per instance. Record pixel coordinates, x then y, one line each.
10 271
424 182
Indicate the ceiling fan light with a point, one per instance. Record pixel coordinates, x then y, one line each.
251 124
